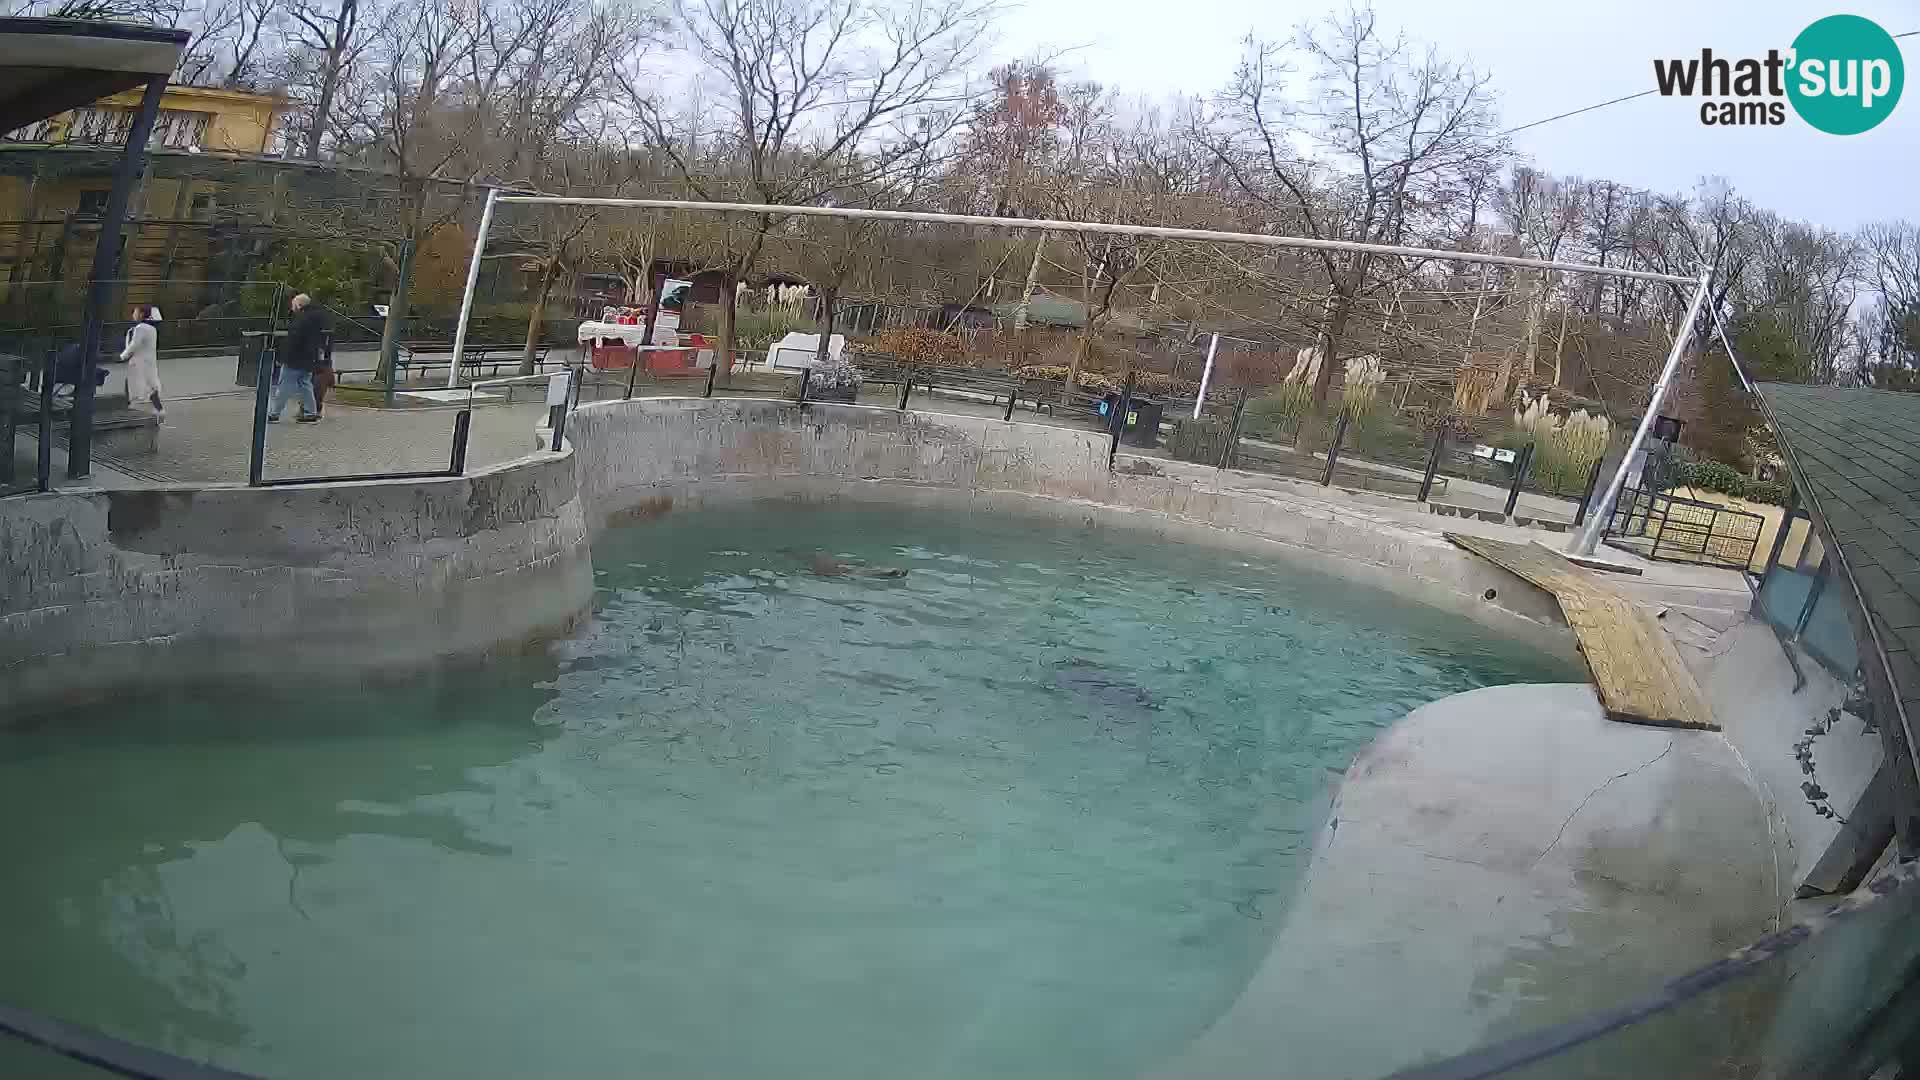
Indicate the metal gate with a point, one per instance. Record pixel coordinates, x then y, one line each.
1666 527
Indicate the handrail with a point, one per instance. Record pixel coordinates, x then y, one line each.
1522 1050
103 1051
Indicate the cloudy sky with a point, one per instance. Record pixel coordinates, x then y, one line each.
1548 58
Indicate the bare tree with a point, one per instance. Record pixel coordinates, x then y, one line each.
406 114
329 35
157 12
805 86
1891 329
235 42
1544 215
1389 139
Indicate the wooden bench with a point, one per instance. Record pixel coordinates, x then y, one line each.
418 356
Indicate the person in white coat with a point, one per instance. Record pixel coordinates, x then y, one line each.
142 356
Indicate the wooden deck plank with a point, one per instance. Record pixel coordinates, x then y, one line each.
1639 673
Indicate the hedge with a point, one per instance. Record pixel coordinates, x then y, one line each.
1723 478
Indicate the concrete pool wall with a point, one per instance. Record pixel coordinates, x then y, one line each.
648 456
105 592
101 590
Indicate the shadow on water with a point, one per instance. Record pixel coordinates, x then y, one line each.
98 936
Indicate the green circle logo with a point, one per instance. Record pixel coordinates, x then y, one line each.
1846 74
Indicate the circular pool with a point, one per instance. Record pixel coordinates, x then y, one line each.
820 791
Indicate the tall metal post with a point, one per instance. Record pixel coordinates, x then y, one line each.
473 280
1786 526
1206 376
1333 448
1520 463
462 427
1119 419
263 373
1586 493
106 265
1588 538
633 371
1433 461
44 460
1232 442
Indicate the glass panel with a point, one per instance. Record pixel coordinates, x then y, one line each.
1829 634
1839 1004
1783 593
1812 553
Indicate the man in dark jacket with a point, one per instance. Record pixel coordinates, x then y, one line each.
300 356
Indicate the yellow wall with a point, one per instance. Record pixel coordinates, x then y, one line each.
240 121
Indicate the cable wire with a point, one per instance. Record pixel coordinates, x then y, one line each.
1577 112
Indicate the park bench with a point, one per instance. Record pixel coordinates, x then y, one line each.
424 356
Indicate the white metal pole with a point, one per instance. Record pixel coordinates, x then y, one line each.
1206 376
1588 538
1096 227
473 280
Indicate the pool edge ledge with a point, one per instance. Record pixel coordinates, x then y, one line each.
646 457
105 592
1496 861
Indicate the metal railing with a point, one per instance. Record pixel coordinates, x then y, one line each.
1669 528
565 385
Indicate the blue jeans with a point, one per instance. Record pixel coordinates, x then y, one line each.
294 381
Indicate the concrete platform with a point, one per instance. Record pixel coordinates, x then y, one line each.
1500 860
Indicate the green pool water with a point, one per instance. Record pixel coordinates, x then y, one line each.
1034 808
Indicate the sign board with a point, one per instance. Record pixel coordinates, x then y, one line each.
557 388
797 350
1490 453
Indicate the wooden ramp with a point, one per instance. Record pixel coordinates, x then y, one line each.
1639 673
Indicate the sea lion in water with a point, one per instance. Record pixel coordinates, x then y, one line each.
825 565
1102 687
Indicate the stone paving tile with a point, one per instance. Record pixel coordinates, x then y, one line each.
207 440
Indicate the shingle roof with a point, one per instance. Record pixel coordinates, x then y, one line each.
1856 453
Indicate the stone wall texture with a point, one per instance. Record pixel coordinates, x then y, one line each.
647 456
105 590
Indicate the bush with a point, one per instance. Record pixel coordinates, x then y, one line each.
835 375
1711 476
330 274
918 347
1564 448
1145 382
1718 476
1199 441
1278 413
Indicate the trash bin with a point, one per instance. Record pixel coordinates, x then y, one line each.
1143 423
252 343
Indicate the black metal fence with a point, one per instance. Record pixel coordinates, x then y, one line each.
1659 525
